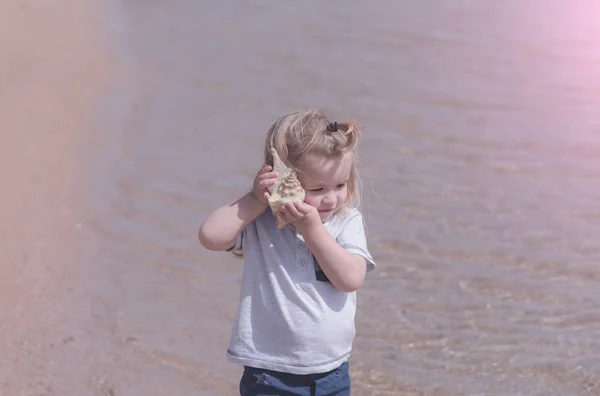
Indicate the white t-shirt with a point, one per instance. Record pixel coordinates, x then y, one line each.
291 318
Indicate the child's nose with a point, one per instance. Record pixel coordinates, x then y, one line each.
329 198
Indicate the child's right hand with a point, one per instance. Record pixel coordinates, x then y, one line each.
264 178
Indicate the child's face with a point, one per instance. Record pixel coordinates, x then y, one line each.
325 181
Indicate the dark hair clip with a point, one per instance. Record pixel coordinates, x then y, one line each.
332 127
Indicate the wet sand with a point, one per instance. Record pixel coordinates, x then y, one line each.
53 67
63 318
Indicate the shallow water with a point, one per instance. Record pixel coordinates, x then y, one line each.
480 160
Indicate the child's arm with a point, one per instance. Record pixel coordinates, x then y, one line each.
220 229
346 271
222 226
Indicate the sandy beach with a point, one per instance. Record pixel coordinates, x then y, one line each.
52 67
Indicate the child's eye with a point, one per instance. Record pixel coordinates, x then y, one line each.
316 189
342 185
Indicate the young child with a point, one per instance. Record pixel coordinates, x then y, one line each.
295 325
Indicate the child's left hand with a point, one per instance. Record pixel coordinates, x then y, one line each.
301 215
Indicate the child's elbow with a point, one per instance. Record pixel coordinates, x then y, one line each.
350 285
210 242
204 239
355 277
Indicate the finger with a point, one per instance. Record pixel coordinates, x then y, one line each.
302 208
265 168
266 195
283 210
266 183
268 175
283 218
292 210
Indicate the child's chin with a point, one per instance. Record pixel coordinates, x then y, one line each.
326 215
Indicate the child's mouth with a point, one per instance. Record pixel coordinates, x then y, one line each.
325 211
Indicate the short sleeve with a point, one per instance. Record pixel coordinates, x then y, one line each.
237 250
354 240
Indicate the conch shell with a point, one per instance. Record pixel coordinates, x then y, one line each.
286 189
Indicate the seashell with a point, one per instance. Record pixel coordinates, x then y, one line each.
286 189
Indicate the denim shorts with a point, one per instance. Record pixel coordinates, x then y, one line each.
258 382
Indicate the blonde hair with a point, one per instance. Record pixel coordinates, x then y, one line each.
297 134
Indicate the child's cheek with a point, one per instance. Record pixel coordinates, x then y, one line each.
311 200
